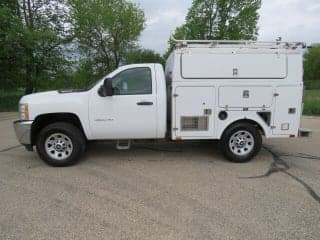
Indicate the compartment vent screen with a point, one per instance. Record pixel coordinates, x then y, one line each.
197 123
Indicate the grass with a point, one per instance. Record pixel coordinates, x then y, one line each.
312 102
9 101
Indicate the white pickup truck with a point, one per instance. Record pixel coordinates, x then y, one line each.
235 91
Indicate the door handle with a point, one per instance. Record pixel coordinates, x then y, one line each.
144 103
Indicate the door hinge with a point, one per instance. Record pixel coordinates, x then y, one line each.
208 111
276 94
175 95
175 129
273 127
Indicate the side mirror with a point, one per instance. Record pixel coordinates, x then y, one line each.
106 89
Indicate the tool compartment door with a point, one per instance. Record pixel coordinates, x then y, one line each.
233 66
245 96
194 111
287 112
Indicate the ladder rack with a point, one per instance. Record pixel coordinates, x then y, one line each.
237 43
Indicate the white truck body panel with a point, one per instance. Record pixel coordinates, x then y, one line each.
243 81
257 96
193 101
289 97
217 64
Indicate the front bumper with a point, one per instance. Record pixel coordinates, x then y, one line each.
23 131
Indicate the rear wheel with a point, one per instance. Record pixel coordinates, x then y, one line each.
60 144
241 142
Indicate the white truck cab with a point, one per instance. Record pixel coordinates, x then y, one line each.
234 91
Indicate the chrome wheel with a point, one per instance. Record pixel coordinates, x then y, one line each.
241 143
58 146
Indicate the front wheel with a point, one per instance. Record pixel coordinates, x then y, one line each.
60 144
241 142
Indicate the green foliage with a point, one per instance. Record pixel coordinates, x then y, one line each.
31 42
143 56
105 29
179 33
36 37
9 100
10 48
312 68
220 19
312 102
84 76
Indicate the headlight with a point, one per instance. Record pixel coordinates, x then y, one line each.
24 111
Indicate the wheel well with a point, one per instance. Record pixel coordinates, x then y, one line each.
43 120
252 122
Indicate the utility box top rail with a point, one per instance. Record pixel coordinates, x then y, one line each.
237 44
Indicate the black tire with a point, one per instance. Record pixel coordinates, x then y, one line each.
72 132
229 148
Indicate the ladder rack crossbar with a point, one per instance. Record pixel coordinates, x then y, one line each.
237 43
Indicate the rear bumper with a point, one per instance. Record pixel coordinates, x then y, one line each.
23 131
304 132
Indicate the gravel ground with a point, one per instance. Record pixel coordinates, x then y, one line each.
162 191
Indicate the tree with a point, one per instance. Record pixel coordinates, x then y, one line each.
312 67
105 29
143 56
45 33
221 20
39 30
10 46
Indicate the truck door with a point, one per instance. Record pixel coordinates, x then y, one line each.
194 106
131 112
287 112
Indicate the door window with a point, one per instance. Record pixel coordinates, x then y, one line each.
135 81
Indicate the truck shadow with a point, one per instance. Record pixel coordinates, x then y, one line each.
158 151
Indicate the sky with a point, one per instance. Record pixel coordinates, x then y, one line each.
293 20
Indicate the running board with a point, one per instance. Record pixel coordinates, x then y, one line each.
123 144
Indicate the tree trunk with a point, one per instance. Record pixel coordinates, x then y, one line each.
29 86
28 81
